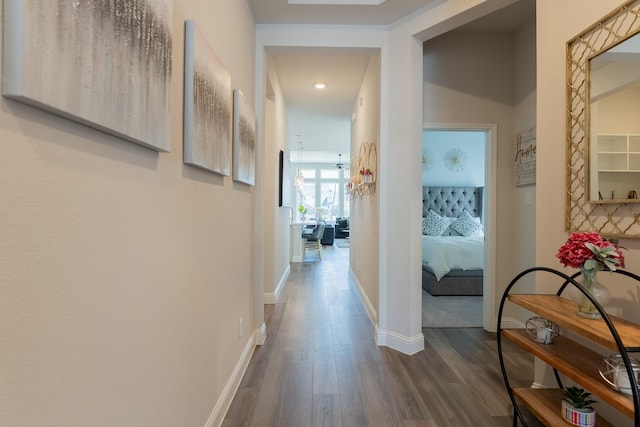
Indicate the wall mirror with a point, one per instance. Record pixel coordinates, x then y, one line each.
603 129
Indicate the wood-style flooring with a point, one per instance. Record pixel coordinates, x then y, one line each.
320 365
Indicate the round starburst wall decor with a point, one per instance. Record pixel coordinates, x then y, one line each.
454 159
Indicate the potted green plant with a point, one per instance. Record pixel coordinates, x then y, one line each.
303 211
577 407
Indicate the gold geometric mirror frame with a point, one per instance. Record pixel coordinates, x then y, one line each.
609 219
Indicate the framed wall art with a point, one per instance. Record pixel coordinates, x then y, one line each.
105 64
524 162
208 105
244 140
284 180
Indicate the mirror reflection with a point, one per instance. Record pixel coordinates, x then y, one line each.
614 149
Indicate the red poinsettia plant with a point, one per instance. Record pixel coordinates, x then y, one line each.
590 251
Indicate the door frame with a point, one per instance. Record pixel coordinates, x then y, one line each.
489 206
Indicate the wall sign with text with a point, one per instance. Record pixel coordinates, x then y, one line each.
525 158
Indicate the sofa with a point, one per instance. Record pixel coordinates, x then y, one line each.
342 228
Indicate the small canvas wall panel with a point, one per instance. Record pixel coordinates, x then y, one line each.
244 139
106 64
208 105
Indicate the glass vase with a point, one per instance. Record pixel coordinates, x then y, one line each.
599 292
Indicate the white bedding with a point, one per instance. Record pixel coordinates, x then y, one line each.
445 253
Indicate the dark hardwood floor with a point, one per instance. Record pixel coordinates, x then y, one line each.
320 365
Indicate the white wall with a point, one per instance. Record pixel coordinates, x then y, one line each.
124 272
364 224
567 19
557 23
276 220
435 146
524 237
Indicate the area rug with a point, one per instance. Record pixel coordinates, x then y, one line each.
451 311
341 243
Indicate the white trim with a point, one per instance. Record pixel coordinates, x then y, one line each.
386 338
371 311
406 345
489 315
261 334
511 323
272 297
226 397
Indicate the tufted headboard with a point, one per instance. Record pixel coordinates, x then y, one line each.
451 201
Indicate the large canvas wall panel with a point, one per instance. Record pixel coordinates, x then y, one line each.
208 105
244 139
106 64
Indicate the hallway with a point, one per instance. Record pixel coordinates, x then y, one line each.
320 365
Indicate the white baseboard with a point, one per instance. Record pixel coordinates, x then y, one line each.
224 402
401 343
261 334
371 311
407 345
511 323
272 298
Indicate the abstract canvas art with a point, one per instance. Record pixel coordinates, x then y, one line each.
106 64
244 140
208 105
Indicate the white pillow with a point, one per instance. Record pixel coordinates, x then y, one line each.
466 225
434 224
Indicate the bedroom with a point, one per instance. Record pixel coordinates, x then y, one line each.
453 241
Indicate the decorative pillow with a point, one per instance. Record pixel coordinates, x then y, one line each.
449 231
434 224
466 225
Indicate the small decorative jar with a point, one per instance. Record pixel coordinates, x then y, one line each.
541 330
614 372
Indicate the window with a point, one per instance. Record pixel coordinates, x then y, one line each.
324 193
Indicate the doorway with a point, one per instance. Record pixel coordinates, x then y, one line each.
471 147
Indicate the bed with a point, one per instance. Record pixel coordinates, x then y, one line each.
452 240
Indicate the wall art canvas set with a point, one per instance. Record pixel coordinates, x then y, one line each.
106 64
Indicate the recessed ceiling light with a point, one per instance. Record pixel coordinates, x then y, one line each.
320 85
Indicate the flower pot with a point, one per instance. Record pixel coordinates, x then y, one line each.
578 417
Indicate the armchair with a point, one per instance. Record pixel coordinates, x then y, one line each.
342 228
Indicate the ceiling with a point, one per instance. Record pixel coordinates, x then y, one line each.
342 69
334 12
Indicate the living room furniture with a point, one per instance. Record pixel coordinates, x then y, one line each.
313 240
329 235
569 358
342 228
